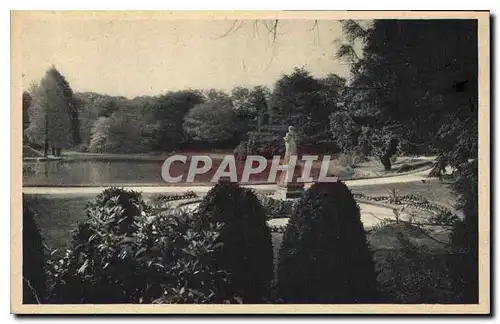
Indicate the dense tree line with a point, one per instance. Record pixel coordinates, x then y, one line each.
175 120
414 84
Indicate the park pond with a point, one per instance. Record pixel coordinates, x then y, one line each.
91 173
146 171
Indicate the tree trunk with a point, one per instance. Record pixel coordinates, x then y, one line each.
46 144
389 152
386 162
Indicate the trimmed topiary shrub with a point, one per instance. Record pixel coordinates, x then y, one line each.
33 259
247 251
324 257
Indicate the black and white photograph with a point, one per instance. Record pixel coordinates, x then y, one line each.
322 162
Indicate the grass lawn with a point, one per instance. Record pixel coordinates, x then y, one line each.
57 217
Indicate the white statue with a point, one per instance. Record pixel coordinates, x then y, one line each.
290 143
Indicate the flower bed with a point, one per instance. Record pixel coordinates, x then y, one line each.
276 208
168 198
440 215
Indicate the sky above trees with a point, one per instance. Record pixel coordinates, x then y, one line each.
132 57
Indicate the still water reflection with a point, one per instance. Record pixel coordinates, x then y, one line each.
92 172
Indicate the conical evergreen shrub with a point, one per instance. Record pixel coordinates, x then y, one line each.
324 257
246 250
33 260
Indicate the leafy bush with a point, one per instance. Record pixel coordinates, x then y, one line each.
276 208
214 122
267 146
444 218
349 159
383 142
345 131
120 133
184 259
118 208
412 275
33 259
247 251
324 257
320 142
100 258
165 260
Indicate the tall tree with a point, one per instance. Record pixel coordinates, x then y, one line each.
106 105
334 88
122 132
302 100
215 94
420 76
26 106
251 104
72 107
213 122
168 112
51 113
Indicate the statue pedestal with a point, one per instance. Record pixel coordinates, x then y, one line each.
290 189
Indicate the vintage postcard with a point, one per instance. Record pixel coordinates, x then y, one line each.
250 162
